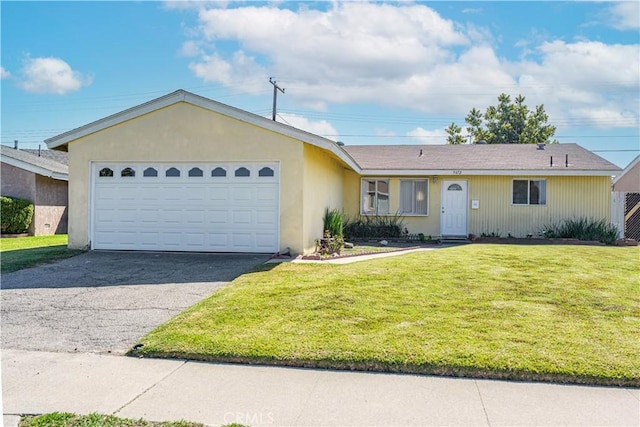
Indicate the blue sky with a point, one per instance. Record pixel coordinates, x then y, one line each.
358 72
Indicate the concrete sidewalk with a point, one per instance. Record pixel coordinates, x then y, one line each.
215 394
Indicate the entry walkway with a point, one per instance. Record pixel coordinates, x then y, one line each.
216 394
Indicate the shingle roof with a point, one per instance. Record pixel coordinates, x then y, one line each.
479 157
40 165
55 155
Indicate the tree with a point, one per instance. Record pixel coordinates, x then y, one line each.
455 137
509 122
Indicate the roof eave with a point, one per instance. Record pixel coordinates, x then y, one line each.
482 172
209 104
35 168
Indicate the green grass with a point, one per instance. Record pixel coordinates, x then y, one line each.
23 252
549 313
65 419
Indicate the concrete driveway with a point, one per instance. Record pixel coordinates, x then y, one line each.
105 301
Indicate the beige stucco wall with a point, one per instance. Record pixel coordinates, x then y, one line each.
184 133
323 188
630 182
17 182
567 197
50 211
49 198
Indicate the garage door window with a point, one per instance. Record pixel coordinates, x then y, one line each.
106 172
127 172
150 172
196 172
243 172
172 172
217 172
265 172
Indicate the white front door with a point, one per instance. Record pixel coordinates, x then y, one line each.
453 221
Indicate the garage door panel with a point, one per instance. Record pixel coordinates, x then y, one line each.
218 216
218 193
266 218
241 241
195 240
218 241
242 194
186 213
241 217
195 216
267 195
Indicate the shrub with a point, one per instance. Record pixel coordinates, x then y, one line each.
374 226
329 244
582 229
332 222
16 214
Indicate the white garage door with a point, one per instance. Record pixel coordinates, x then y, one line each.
225 207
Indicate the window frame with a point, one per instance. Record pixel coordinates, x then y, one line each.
413 211
364 193
528 201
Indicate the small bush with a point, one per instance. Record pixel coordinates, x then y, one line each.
332 222
329 244
16 214
374 226
582 229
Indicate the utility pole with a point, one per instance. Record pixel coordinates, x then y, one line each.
276 88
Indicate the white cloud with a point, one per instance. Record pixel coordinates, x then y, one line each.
430 137
625 15
4 74
333 55
406 55
600 93
191 48
316 127
51 75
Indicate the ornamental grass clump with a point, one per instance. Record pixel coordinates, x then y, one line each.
333 222
582 229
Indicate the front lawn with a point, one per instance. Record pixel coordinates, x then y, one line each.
21 252
550 313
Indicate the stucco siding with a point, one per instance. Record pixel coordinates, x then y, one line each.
630 182
17 182
323 188
50 216
426 224
186 133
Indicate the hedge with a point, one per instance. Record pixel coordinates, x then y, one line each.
15 215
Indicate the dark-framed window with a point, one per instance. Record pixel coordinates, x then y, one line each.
529 192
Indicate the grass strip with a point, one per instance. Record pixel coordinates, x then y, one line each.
23 252
66 419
